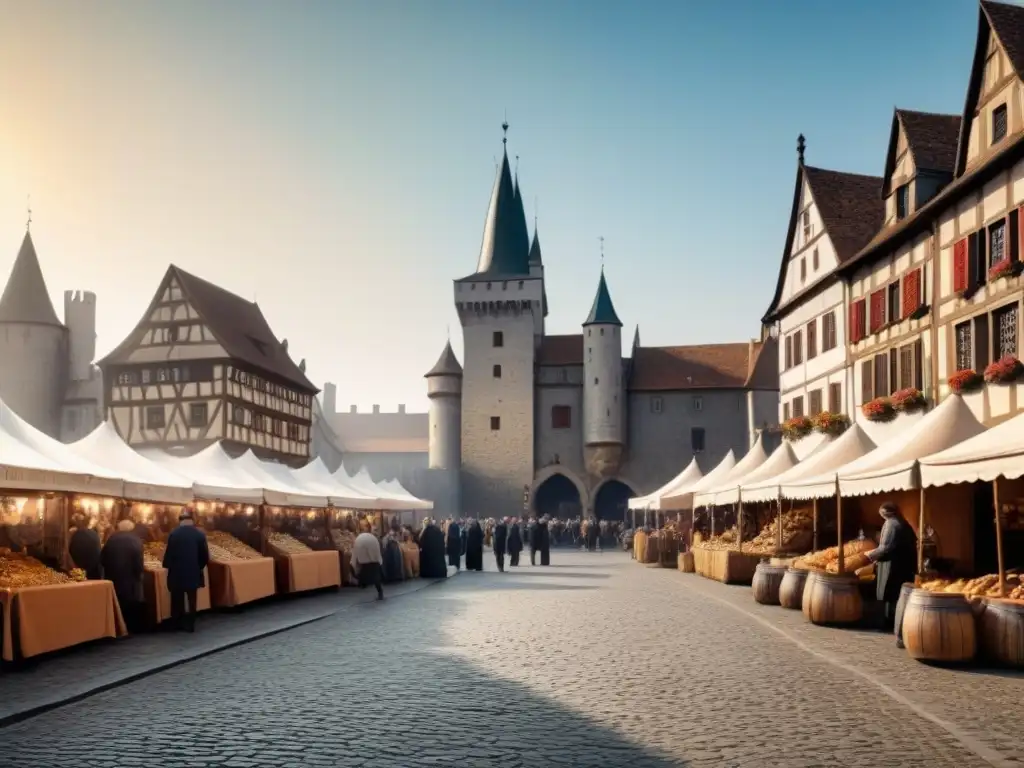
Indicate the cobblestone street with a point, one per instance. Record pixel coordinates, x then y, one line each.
595 661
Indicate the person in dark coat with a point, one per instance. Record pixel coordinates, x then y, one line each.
500 539
514 544
185 557
465 529
85 549
454 545
895 560
432 564
475 547
394 567
544 535
121 558
533 539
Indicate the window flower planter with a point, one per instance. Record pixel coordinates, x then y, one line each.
921 311
879 409
1004 371
796 428
1005 268
966 380
908 400
831 423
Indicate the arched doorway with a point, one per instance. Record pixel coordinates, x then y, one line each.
611 500
557 497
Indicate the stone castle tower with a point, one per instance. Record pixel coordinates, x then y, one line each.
604 411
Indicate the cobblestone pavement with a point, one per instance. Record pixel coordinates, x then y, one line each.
595 661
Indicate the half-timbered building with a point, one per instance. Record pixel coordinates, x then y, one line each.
203 366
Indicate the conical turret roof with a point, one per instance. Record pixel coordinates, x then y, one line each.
603 311
535 256
522 232
447 364
26 299
504 250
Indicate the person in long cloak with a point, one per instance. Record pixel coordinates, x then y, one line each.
515 544
475 547
454 545
394 567
895 560
500 539
432 564
592 531
545 541
533 539
465 530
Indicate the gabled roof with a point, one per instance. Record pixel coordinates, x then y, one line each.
26 298
238 326
561 350
503 251
602 312
705 366
931 141
447 364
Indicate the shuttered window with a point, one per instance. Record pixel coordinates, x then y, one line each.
881 375
877 310
960 274
911 292
835 398
812 339
857 318
815 398
798 348
867 381
798 407
828 331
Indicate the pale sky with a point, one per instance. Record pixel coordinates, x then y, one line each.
333 160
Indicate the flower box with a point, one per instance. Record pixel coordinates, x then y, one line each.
908 400
879 409
796 428
831 423
1004 371
921 311
965 380
1005 268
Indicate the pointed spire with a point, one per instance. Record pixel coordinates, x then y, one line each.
636 337
504 250
603 311
26 299
522 232
447 364
536 260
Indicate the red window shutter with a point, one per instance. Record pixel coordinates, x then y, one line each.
960 275
854 336
911 292
859 324
877 310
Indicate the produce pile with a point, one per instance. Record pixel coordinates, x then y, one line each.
828 559
153 554
343 540
982 586
18 570
797 530
724 540
226 548
284 544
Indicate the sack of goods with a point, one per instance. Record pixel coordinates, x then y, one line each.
982 586
821 560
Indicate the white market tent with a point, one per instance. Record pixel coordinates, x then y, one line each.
893 465
995 453
316 477
144 479
31 460
690 475
279 488
395 487
767 488
363 483
816 477
782 459
682 498
756 456
215 475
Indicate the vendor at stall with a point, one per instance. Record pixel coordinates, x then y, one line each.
122 561
432 562
85 548
895 560
186 556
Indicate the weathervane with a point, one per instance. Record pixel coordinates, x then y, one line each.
504 129
602 252
28 221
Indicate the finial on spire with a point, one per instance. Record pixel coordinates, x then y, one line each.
517 166
536 212
448 332
504 129
28 220
801 145
601 239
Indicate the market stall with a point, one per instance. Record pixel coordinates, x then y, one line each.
690 475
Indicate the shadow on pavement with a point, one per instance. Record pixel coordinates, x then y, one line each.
560 574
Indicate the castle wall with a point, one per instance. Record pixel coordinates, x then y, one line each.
562 443
33 373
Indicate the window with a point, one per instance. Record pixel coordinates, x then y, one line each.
198 415
798 407
964 356
807 225
561 417
238 415
906 366
181 333
698 403
495 423
1004 321
496 370
828 331
894 301
126 377
857 320
803 269
877 310
976 263
997 250
882 375
894 370
998 123
697 439
155 417
293 431
785 411
498 339
259 422
812 339
147 375
902 201
789 352
815 402
814 260
798 348
656 405
867 376
835 398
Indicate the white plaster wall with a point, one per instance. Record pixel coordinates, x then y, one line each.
803 249
602 384
794 380
445 425
33 373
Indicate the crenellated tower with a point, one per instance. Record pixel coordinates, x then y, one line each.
603 390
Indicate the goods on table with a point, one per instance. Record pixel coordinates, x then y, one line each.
819 561
982 586
77 574
724 540
343 540
797 530
223 546
153 554
854 562
286 544
18 570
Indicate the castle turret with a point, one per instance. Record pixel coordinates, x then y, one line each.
603 391
444 388
33 345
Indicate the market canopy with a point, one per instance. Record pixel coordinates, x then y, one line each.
363 483
316 477
893 465
995 453
783 458
756 456
767 488
396 488
690 475
144 479
215 476
682 498
279 488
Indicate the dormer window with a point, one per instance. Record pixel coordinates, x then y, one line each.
998 123
902 202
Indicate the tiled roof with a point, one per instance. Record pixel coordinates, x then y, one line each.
505 249
706 366
561 350
850 206
931 139
1008 22
25 298
447 364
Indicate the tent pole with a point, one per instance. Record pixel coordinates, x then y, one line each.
999 538
839 527
920 531
814 525
778 523
739 519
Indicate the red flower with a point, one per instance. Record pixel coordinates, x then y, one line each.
796 427
831 423
908 400
1004 268
965 380
879 409
1005 370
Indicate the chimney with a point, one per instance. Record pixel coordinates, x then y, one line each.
750 357
376 409
401 408
353 409
330 397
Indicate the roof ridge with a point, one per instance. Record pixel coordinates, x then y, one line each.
818 169
905 111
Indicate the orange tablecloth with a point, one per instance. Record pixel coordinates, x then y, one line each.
241 581
411 560
158 597
345 562
308 570
58 616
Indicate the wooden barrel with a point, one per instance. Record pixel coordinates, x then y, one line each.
685 562
1002 632
791 590
939 626
652 551
901 607
640 547
766 583
832 598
